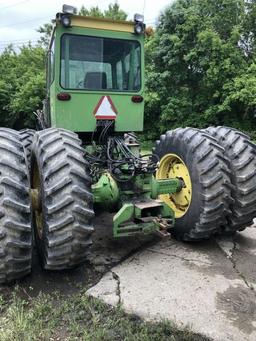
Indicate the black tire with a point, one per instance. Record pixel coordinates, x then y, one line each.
15 216
27 136
210 178
66 199
241 153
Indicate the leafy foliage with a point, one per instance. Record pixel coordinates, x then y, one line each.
45 31
203 67
22 85
113 12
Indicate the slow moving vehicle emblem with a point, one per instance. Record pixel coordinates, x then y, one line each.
105 109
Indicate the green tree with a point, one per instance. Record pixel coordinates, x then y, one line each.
45 31
115 12
92 12
22 86
200 62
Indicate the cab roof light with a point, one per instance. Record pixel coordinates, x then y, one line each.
65 16
66 20
139 26
67 9
138 18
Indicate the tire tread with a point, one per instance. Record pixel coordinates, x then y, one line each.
240 152
67 215
213 176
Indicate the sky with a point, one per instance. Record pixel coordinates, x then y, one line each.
19 19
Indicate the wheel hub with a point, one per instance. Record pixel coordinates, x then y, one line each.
172 166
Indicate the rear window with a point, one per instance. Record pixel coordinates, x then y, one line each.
94 63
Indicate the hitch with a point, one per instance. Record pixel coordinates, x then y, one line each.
143 217
141 212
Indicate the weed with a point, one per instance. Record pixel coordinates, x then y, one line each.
79 317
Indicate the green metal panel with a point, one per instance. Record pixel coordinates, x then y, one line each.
77 114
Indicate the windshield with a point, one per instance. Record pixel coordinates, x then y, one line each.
94 63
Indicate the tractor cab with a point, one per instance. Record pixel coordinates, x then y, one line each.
95 73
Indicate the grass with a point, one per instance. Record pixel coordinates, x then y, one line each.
78 317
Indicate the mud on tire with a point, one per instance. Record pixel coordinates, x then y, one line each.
210 178
63 221
241 153
15 216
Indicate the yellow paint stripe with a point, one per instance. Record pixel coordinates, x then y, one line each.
102 24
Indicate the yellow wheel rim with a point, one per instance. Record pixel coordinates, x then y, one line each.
172 166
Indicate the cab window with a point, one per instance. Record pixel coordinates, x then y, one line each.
94 63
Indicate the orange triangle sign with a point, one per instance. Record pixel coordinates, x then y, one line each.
105 109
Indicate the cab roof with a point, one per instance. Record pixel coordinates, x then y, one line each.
101 23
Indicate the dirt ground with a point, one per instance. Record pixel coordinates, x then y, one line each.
106 253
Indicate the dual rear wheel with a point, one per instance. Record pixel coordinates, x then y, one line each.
217 166
202 206
241 155
45 170
15 209
61 186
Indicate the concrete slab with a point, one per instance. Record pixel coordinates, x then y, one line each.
204 286
244 256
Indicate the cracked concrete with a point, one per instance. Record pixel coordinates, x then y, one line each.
230 247
109 289
118 291
208 286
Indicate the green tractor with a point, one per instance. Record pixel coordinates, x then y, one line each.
193 185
